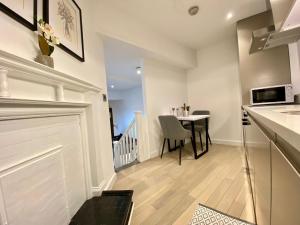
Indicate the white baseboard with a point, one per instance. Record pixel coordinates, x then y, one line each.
214 141
154 154
96 191
111 182
105 185
227 142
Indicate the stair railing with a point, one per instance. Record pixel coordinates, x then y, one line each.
125 150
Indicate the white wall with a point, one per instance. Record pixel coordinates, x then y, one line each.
165 87
121 26
124 104
19 40
214 86
114 94
294 51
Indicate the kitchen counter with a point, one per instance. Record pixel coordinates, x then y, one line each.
284 120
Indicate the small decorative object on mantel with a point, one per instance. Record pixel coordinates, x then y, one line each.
47 41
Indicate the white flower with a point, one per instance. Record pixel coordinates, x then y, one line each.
47 32
55 40
48 29
47 36
41 28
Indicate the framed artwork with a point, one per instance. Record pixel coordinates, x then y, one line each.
65 18
23 11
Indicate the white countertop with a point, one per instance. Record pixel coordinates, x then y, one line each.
285 125
192 117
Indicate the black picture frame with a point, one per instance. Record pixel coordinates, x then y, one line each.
46 13
19 18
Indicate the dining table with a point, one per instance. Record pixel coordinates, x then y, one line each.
192 119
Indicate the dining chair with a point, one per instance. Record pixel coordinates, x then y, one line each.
173 130
200 125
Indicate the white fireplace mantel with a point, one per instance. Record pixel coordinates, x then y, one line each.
32 94
14 70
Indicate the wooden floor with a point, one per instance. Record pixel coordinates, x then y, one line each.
166 193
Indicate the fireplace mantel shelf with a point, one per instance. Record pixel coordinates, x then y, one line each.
28 70
37 102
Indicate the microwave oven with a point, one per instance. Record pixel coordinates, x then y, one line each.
278 94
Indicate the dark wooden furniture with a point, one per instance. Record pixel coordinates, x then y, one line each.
111 208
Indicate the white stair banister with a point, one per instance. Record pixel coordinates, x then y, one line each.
124 149
133 145
142 149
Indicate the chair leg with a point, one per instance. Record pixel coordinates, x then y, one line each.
201 140
180 148
209 139
163 147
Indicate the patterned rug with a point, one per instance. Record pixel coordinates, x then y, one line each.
208 216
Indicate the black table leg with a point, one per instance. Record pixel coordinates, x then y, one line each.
206 133
206 141
194 139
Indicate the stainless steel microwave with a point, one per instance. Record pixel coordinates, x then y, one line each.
272 95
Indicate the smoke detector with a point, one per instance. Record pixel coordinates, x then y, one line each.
193 10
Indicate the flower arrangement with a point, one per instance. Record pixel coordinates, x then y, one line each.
185 110
46 37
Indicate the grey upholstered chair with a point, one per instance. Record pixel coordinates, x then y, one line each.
200 125
173 130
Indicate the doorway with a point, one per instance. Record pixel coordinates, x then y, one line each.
124 71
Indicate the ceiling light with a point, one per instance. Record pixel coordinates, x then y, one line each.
229 16
194 10
260 48
263 39
139 70
112 86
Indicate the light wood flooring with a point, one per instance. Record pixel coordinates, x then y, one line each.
166 193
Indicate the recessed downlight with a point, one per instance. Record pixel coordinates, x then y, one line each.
260 48
229 15
112 86
263 39
139 70
193 10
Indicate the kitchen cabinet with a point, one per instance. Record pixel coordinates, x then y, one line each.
281 10
258 152
281 26
273 174
285 190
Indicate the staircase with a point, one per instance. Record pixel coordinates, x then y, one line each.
134 144
125 150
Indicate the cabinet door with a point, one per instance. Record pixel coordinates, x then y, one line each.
262 166
252 136
259 150
285 190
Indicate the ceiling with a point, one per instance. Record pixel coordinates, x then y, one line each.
170 17
121 60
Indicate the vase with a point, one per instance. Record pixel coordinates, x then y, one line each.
45 60
185 113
